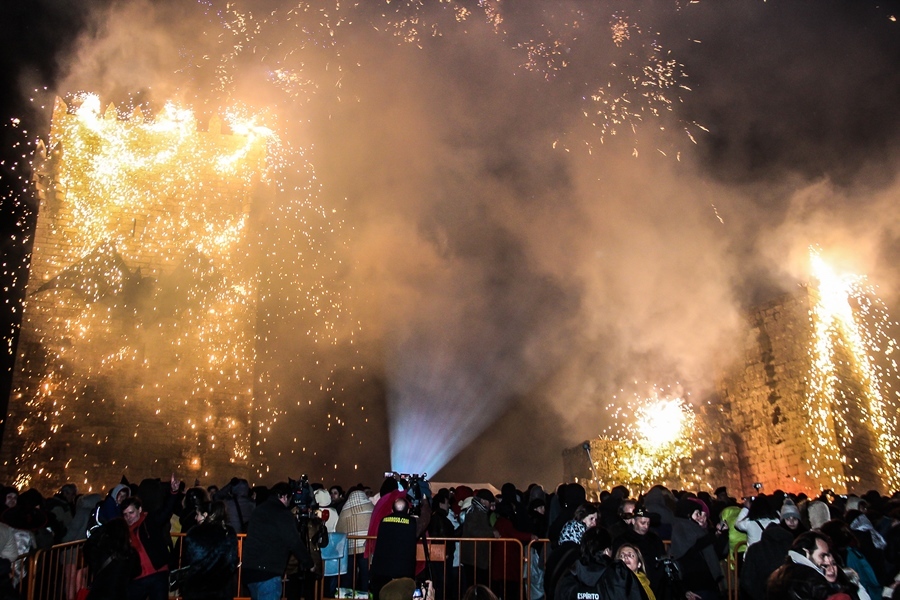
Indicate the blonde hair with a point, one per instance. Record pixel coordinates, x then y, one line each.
637 552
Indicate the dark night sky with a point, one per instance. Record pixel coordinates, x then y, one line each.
800 99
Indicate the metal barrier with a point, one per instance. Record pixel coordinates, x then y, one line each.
733 566
58 573
508 568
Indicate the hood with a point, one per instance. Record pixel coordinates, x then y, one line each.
358 503
115 491
590 574
88 501
572 531
323 498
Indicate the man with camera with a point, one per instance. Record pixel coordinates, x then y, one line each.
272 536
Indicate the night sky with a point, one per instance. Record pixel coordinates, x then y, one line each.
512 255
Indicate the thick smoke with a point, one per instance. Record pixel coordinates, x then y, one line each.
503 269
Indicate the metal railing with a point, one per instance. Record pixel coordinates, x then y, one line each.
57 573
507 567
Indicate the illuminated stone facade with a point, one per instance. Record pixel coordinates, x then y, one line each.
137 348
768 424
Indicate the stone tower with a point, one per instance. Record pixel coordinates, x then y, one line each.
791 432
137 349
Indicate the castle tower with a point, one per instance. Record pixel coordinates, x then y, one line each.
805 409
137 349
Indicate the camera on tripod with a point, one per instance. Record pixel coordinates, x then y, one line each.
416 487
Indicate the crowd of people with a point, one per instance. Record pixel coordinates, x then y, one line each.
655 544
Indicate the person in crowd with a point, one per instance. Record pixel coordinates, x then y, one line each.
568 548
849 559
395 547
354 521
10 497
475 557
479 592
272 537
790 518
326 512
151 539
762 559
623 521
210 556
660 502
698 550
194 502
61 508
650 545
634 560
337 498
507 557
596 575
238 504
756 515
110 508
570 497
802 575
818 514
112 560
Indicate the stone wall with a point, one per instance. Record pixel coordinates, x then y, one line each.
137 348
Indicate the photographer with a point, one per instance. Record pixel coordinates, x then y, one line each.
272 537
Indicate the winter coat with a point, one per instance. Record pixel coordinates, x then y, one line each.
272 537
239 506
476 525
762 559
799 578
652 549
211 558
603 579
507 557
85 508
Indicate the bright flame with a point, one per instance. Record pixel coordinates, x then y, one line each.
663 423
838 326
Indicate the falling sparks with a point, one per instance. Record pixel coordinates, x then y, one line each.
160 260
851 344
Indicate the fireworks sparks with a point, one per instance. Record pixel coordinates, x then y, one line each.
849 400
657 439
159 256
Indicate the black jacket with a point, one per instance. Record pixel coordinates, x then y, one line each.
153 530
603 579
272 537
652 549
395 547
762 559
211 558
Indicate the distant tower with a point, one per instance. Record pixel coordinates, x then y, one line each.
804 408
137 349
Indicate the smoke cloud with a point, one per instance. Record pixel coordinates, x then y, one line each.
499 228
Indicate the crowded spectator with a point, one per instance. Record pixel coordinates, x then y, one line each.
596 575
210 556
698 549
634 560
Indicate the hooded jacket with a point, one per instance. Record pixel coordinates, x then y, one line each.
354 519
600 579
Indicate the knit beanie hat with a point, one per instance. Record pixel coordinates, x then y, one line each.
818 514
789 510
